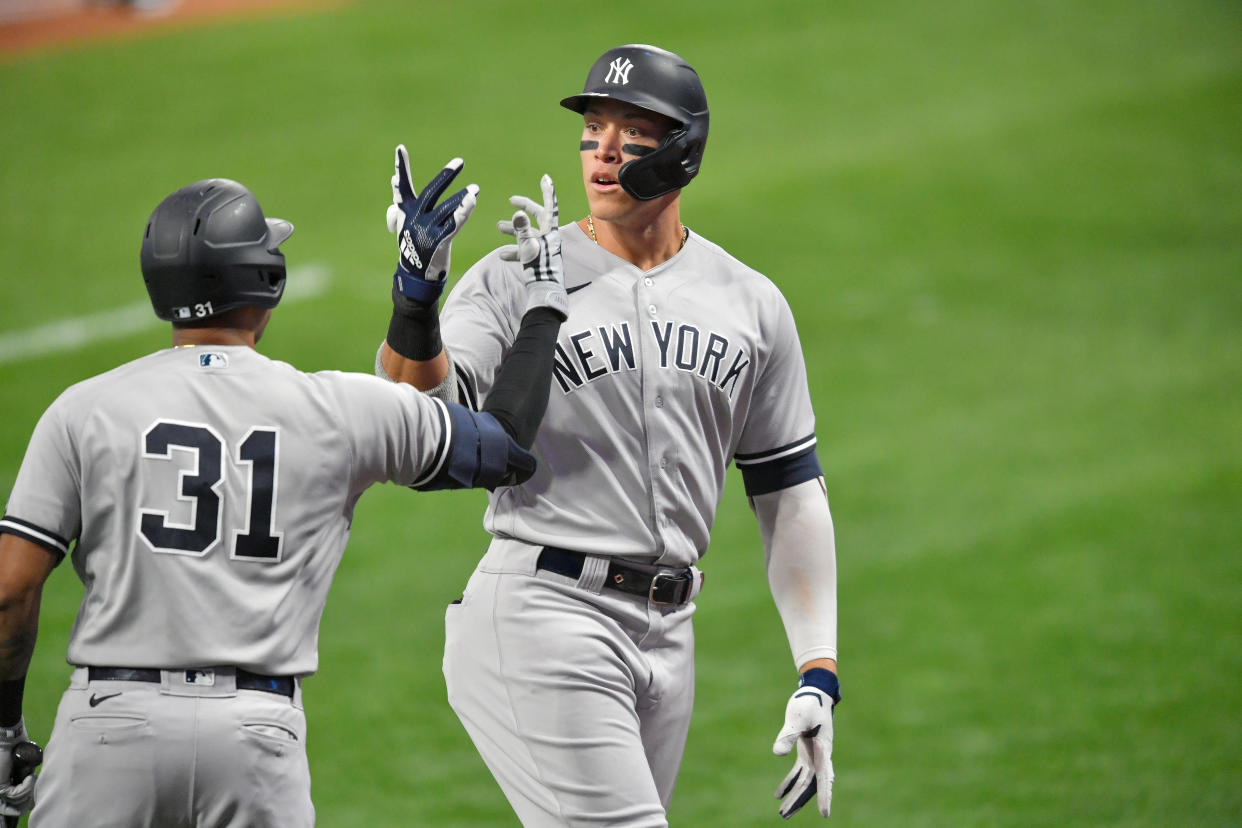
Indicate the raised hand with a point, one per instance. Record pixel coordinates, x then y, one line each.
538 248
425 229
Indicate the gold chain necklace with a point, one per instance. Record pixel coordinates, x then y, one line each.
685 232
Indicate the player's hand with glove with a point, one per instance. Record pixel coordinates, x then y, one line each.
16 797
426 229
538 248
808 724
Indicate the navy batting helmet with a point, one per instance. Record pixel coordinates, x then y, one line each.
660 81
208 249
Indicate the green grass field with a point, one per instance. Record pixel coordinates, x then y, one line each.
1012 238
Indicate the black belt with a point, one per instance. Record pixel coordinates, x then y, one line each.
668 587
246 680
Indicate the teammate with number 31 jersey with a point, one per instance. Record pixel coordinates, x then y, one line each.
204 494
213 483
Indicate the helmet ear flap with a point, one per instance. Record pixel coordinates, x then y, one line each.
692 157
669 167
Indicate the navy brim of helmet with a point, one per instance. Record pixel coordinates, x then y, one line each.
278 230
579 103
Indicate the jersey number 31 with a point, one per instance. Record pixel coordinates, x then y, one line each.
258 539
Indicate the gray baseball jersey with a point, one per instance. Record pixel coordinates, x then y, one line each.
661 379
203 483
578 696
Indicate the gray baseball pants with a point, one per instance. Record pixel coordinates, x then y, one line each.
577 697
174 754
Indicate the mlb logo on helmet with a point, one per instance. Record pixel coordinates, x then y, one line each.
182 312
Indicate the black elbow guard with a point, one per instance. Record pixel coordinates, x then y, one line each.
478 453
502 462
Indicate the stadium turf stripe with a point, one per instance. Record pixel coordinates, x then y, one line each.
304 282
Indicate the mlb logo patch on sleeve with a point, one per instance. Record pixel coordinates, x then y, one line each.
213 359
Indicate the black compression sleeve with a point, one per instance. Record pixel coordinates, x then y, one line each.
519 396
11 693
414 330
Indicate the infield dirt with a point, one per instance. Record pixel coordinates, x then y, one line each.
87 22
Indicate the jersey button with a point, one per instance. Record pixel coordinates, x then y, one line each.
648 281
659 402
651 309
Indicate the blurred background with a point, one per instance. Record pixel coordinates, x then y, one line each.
1011 235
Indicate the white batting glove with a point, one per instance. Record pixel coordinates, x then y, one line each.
808 724
425 230
539 250
15 799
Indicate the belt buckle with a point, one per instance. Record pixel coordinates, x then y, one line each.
680 588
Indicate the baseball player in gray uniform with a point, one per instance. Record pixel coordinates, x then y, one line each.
210 492
569 658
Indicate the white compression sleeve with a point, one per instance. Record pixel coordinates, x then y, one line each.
800 553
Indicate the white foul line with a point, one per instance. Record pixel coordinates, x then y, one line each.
304 282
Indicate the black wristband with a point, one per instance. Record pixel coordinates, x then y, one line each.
11 693
414 330
822 679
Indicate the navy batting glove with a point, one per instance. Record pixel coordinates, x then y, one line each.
424 229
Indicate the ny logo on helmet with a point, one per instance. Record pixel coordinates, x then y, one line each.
619 71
